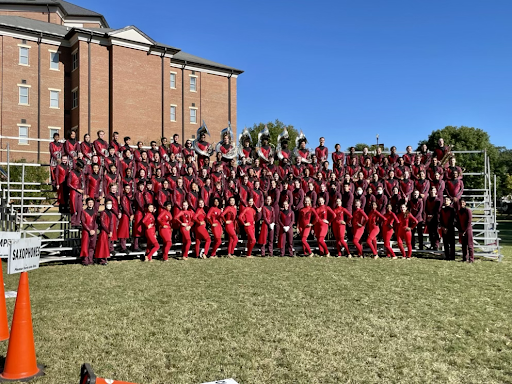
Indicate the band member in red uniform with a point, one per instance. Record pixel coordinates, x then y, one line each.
381 200
179 196
342 215
286 220
359 220
116 215
247 220
337 155
452 167
205 147
126 210
302 151
406 186
393 156
373 229
100 145
175 146
446 223
266 236
375 183
407 222
422 185
389 224
434 167
165 228
229 216
426 156
89 231
149 225
417 167
184 218
409 156
106 229
325 217
464 224
86 148
441 149
75 184
200 231
152 151
214 218
351 155
306 220
193 196
431 218
56 151
390 183
379 157
163 196
111 177
115 142
439 184
188 151
364 157
455 189
93 184
72 148
60 183
139 204
415 206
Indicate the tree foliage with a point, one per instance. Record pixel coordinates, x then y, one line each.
32 175
275 128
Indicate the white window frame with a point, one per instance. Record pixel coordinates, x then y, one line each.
19 94
53 52
195 115
27 47
23 141
173 74
175 111
54 130
74 60
195 83
52 90
74 100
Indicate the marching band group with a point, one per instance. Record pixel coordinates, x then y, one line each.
265 194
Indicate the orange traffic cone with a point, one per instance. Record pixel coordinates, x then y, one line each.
20 363
87 376
4 325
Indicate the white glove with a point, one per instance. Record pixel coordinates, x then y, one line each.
272 225
286 229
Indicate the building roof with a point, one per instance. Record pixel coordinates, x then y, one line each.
68 9
19 22
183 56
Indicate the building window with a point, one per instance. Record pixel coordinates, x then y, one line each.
23 56
54 60
193 115
193 83
23 95
75 60
173 80
74 93
173 113
54 99
23 134
54 130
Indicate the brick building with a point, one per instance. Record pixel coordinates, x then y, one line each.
63 67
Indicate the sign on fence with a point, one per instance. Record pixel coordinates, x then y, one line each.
5 241
24 255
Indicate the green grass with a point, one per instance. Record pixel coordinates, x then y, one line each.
275 320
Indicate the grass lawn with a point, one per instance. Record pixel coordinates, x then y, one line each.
275 320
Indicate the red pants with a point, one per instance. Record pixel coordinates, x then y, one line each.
87 248
166 235
233 239
320 232
153 245
358 233
339 234
372 239
304 234
386 234
287 237
202 235
217 234
407 236
185 238
75 206
251 238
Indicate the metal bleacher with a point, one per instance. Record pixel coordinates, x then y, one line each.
26 207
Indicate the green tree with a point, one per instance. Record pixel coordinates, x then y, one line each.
466 139
507 190
275 128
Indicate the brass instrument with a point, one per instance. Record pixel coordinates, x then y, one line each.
232 153
283 136
203 129
446 156
264 134
298 140
244 136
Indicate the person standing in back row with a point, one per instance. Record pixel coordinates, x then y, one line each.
464 224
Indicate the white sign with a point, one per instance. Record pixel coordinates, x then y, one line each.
5 241
226 381
24 255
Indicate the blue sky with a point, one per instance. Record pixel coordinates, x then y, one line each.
348 70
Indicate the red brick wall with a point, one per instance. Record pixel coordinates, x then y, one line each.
215 103
99 89
136 88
